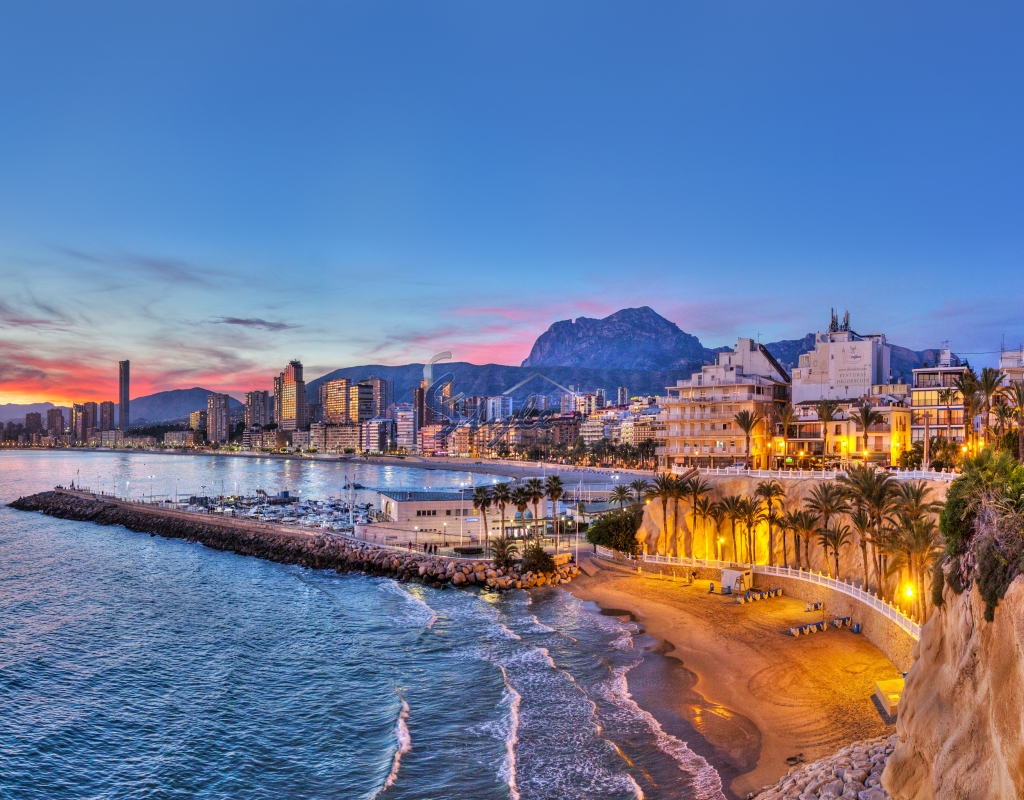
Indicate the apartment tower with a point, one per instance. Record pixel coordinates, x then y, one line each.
123 412
218 418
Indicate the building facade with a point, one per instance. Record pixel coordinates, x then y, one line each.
329 437
197 420
257 408
360 402
700 413
937 405
406 426
123 403
107 416
292 404
334 396
377 435
218 418
55 422
843 365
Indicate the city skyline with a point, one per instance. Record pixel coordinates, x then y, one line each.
355 186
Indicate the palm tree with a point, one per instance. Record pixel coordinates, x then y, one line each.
833 539
1016 392
785 419
664 486
915 547
770 492
1003 413
696 487
482 500
967 384
827 410
988 384
554 490
732 506
946 397
861 520
535 491
505 552
622 495
639 489
865 418
701 513
827 500
752 514
521 500
804 525
501 496
717 515
747 421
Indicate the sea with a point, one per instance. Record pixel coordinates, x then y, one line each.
133 666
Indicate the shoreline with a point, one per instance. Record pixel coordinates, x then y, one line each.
752 696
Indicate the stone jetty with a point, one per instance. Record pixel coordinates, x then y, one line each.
314 549
854 772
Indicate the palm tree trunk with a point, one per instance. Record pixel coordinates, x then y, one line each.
735 556
796 551
663 541
785 554
864 559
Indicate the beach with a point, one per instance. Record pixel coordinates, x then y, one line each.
752 692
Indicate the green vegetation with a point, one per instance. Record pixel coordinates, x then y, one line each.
505 552
617 530
536 560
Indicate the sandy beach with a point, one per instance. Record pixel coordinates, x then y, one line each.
752 692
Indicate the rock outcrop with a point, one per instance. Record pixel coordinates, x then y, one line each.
317 551
961 718
853 772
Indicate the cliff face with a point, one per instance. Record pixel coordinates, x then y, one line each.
633 338
961 719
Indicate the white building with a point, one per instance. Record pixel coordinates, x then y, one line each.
498 409
406 426
1012 363
843 365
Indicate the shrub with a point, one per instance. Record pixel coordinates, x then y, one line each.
536 560
505 552
617 530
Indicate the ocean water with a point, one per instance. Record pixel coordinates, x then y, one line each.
133 666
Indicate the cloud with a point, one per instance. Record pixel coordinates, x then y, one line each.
32 314
254 322
169 269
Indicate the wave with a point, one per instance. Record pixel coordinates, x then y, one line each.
508 769
429 615
403 744
707 783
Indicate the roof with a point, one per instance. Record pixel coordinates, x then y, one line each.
427 497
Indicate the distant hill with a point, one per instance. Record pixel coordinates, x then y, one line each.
493 379
15 412
633 338
172 406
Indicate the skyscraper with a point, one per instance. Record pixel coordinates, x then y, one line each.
123 412
33 422
623 399
360 402
334 400
55 422
257 408
83 420
290 398
197 420
383 396
218 418
106 416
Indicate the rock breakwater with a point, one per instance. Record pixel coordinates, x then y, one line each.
854 772
316 550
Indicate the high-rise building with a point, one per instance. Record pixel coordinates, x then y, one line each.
33 422
360 402
107 416
377 435
83 420
218 417
623 399
55 422
197 419
419 402
257 408
290 398
406 425
334 400
383 396
123 411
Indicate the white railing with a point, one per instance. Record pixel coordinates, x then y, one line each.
612 555
824 474
884 608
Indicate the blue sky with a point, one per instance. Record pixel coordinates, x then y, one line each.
211 189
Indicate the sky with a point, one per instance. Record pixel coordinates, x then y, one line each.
210 189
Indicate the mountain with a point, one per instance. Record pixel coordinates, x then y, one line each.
640 338
493 379
633 338
172 406
15 412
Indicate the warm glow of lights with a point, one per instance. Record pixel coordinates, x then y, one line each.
909 591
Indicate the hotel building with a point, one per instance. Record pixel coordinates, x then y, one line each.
107 416
843 365
929 408
700 413
257 408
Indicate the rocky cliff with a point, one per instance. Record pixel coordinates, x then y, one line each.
961 719
633 338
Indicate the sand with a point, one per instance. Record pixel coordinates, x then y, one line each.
756 694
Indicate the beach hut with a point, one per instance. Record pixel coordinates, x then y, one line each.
739 580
